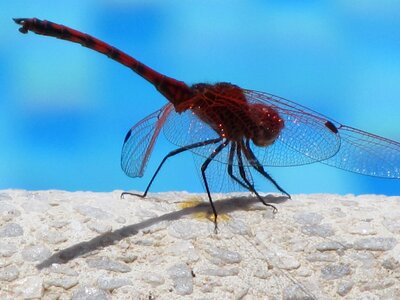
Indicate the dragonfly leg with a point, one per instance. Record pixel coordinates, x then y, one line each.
203 174
230 167
257 165
246 184
170 154
244 177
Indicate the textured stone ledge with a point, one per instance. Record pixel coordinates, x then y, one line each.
83 245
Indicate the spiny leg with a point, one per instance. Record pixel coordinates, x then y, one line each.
170 154
244 177
257 165
203 174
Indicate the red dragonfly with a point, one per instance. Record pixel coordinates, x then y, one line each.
241 128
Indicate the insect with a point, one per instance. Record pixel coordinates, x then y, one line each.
245 130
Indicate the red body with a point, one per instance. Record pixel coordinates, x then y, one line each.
223 105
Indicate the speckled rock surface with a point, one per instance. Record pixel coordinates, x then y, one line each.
83 245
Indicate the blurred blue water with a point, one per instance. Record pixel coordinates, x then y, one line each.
65 110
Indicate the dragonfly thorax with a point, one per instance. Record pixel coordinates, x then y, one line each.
225 108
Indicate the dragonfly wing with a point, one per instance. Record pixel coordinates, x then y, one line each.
309 136
366 153
140 140
306 137
182 129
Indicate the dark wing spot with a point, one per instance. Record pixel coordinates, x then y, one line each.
127 136
331 126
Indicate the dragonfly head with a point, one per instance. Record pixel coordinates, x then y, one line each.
266 125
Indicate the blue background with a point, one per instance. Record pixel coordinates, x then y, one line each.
64 110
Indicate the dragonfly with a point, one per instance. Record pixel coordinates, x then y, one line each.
243 129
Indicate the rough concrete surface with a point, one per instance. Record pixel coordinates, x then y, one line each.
84 245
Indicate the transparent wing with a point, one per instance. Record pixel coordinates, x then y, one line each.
140 140
358 151
366 153
305 138
185 128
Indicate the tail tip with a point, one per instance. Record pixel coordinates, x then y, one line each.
21 21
